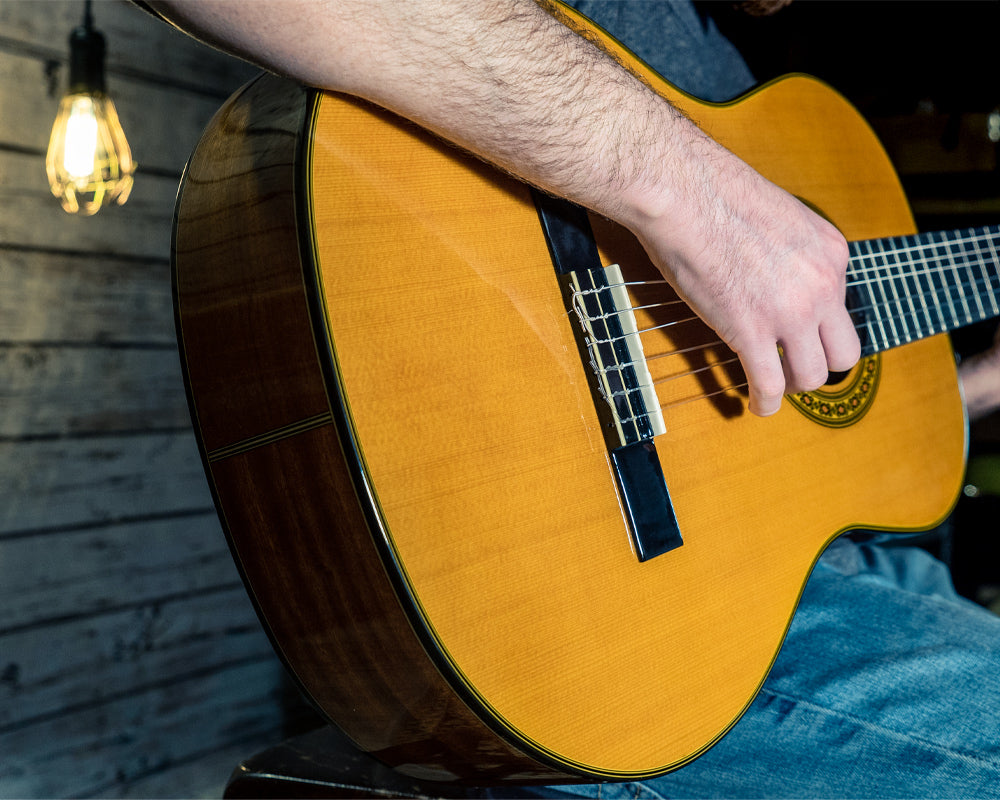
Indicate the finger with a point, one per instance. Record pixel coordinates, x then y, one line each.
765 379
804 362
840 341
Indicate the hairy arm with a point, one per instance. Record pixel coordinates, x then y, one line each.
507 81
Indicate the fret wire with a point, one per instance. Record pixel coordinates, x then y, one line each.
973 255
942 273
933 290
879 302
950 247
943 324
963 250
922 294
899 282
971 235
855 290
927 268
893 268
955 252
912 242
982 268
929 257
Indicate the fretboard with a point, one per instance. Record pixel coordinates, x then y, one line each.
905 288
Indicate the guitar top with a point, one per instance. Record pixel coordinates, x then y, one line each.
410 451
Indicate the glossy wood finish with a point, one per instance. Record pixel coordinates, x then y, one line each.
439 552
311 563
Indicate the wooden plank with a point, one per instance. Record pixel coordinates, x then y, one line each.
31 217
48 484
96 569
91 751
93 660
52 390
127 642
161 128
137 42
53 297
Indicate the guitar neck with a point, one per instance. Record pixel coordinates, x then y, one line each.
905 288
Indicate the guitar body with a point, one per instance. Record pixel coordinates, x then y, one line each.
405 453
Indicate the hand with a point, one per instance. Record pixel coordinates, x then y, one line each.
980 378
759 267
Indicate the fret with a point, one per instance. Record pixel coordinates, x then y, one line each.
936 258
860 302
987 278
923 291
887 318
859 305
903 288
930 290
953 257
977 257
878 296
969 255
931 256
887 285
897 287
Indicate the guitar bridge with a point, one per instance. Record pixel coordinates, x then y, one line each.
624 397
626 403
601 303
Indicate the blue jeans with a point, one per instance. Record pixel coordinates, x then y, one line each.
888 684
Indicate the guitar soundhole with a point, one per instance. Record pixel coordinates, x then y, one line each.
836 378
846 396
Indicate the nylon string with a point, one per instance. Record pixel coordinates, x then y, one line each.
956 267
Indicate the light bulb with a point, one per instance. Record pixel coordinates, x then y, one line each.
88 163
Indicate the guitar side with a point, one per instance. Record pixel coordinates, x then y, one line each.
406 455
266 426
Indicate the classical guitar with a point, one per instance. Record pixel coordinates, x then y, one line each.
500 502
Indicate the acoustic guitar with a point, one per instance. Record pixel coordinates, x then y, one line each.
499 502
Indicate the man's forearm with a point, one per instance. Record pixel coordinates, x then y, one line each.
509 82
502 78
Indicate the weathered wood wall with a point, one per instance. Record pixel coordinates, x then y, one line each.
130 658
